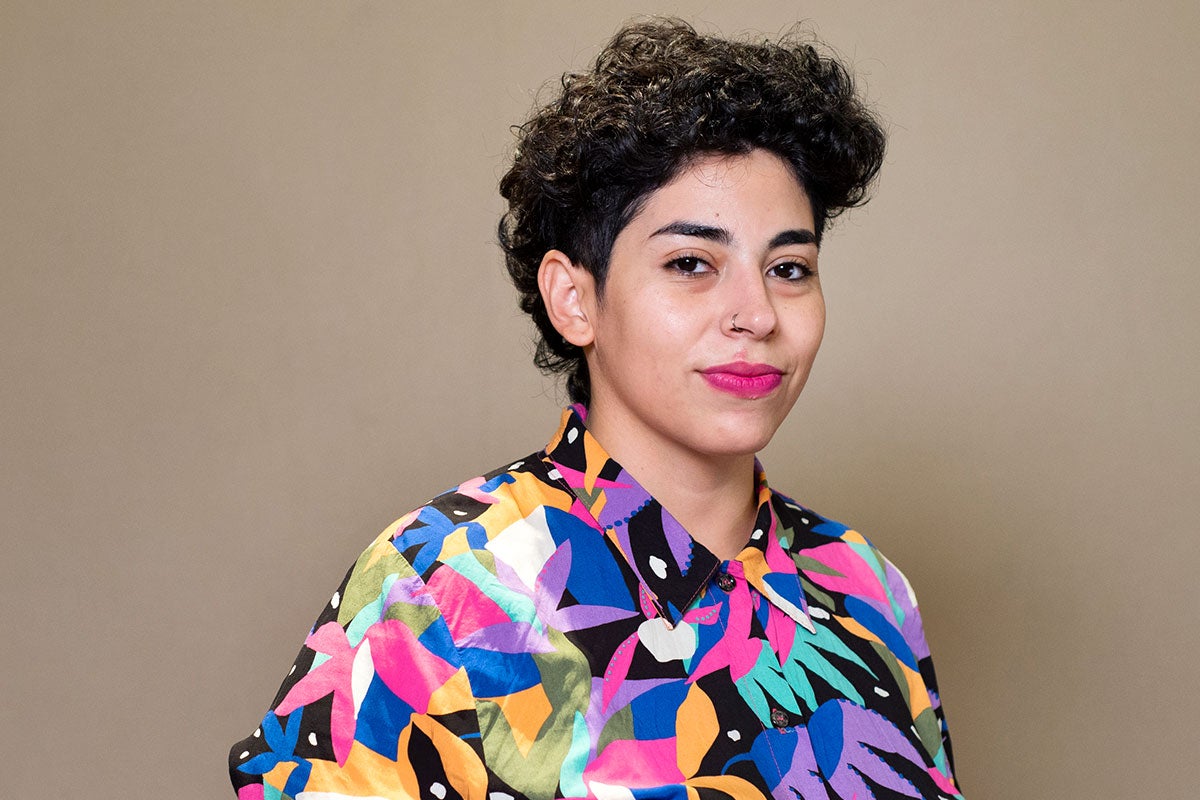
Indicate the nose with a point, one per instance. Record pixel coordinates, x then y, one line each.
750 309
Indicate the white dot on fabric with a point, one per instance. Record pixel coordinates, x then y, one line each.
659 566
458 512
244 754
438 791
804 520
516 465
336 600
293 669
500 796
734 735
666 642
881 691
757 534
555 475
257 732
312 739
572 435
818 612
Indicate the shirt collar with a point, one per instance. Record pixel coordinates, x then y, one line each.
673 568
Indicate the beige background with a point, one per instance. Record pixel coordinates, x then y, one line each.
251 311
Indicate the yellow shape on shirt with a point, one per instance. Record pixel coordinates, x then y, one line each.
453 695
462 764
366 773
730 785
696 728
526 712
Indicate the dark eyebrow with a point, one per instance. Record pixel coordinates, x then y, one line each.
798 236
722 236
713 234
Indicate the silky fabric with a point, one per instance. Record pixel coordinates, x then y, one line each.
550 630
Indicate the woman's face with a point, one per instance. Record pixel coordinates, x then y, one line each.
670 367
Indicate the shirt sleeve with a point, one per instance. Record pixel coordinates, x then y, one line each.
377 703
931 723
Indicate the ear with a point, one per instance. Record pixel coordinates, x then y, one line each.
568 290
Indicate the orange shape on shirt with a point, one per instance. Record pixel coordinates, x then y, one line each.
526 712
696 728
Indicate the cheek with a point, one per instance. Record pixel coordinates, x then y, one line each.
663 326
672 327
818 330
808 325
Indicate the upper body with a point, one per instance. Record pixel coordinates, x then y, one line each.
632 612
550 630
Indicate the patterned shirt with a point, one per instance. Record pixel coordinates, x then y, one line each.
550 630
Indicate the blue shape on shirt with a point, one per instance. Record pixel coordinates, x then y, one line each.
674 791
381 719
787 585
595 578
428 537
654 710
829 528
437 640
496 482
826 733
477 537
496 674
770 749
282 743
883 627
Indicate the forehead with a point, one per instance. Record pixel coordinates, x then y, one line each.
754 189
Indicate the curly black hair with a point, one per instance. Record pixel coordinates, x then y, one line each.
659 96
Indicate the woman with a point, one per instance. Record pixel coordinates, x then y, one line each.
632 611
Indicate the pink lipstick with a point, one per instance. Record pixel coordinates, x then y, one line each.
743 379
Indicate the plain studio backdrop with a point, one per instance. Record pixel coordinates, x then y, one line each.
251 311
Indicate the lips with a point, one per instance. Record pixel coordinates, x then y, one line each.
743 379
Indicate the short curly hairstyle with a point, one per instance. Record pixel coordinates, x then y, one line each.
659 96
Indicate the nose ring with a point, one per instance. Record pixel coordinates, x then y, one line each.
733 326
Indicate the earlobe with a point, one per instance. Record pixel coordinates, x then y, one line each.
567 290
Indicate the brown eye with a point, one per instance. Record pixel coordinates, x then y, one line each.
689 265
790 271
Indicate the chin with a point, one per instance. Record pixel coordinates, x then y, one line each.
744 438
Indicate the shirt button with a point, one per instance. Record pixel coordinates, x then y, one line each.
725 581
779 718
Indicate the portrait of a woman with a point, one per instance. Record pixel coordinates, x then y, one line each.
830 306
633 610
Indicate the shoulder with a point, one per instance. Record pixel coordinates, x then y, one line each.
471 516
441 550
838 558
429 563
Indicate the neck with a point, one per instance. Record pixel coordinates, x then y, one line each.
712 497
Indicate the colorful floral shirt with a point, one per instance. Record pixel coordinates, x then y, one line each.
549 630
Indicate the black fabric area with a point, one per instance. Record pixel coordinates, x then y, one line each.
883 793
300 668
459 508
253 745
908 770
647 539
427 763
737 726
314 726
599 643
568 453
